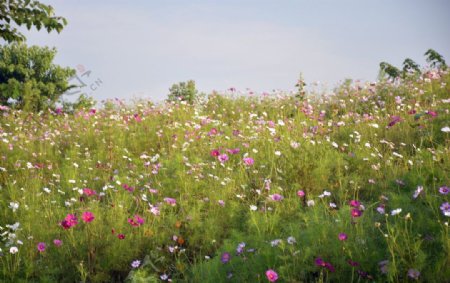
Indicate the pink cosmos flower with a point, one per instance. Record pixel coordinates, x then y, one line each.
356 212
57 242
394 120
214 153
89 192
301 193
248 161
276 197
128 188
136 221
271 275
170 201
355 203
70 221
223 158
87 216
342 236
233 150
41 247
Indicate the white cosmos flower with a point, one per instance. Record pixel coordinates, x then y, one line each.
396 211
13 250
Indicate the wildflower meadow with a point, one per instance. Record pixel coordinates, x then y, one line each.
346 186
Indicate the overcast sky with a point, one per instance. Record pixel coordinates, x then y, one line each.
140 48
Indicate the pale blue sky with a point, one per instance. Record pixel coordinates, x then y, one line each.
139 48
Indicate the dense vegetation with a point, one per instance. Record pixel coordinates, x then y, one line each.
350 186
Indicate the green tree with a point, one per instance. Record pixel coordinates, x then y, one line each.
391 71
435 59
183 91
16 13
28 75
410 67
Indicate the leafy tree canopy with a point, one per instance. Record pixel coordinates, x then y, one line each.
28 75
15 13
183 91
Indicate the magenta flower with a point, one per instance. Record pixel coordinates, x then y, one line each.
356 212
233 150
319 262
225 257
89 192
213 132
248 161
271 275
170 201
121 236
355 203
214 153
136 221
342 236
394 120
57 242
444 190
41 247
223 158
128 188
301 193
87 216
70 221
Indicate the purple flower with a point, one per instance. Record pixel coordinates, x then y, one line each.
384 266
355 203
271 275
394 120
319 262
135 263
223 158
380 209
356 212
445 207
240 248
41 247
57 242
225 257
170 201
276 197
444 190
233 150
413 273
342 237
248 161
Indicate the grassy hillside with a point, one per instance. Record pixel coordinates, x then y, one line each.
341 188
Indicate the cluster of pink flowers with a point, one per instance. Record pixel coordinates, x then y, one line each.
136 221
71 219
357 208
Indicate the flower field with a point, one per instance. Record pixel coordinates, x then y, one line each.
344 187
